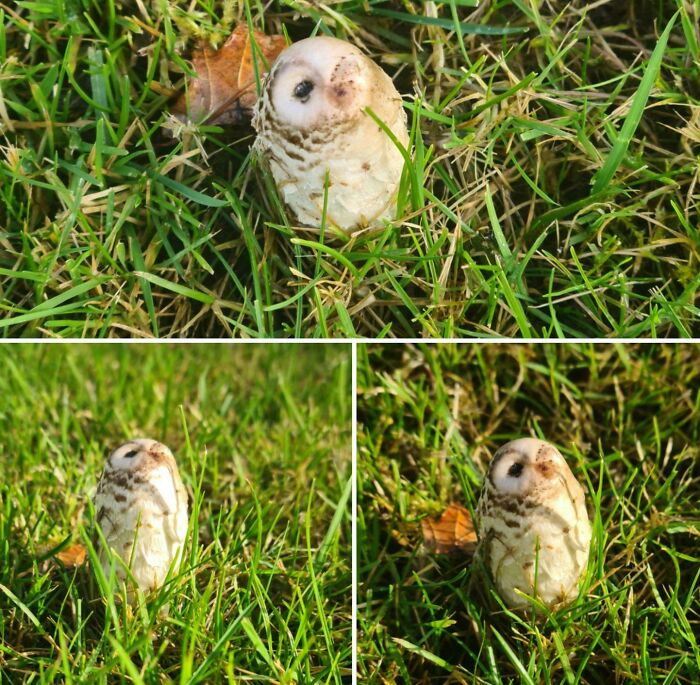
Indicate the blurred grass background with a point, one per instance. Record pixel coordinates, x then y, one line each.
626 417
553 189
262 435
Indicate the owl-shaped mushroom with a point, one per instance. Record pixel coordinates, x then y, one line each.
141 507
534 532
319 141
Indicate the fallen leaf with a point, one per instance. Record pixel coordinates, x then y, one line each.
224 91
451 532
73 556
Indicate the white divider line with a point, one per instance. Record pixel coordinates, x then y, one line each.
353 518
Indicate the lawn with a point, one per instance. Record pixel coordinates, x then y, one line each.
552 190
626 417
264 591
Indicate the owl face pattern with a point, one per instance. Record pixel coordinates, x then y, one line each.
141 507
324 84
534 532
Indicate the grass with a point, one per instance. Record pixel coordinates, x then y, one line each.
264 591
625 417
552 190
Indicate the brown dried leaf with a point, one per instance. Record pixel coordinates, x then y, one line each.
73 556
224 90
452 532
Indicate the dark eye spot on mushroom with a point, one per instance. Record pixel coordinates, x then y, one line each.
302 90
131 454
515 470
